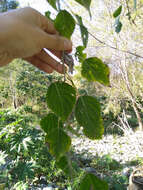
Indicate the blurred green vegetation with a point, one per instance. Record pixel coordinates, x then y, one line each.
23 103
24 158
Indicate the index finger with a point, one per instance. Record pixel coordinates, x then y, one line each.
43 22
33 16
47 25
54 42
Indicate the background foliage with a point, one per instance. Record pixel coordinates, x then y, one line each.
116 42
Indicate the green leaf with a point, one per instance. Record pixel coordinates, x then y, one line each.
50 124
118 25
53 3
117 12
59 141
88 115
66 165
83 31
91 182
63 164
79 53
48 15
64 23
86 4
93 69
61 98
60 145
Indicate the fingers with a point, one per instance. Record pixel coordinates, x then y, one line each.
43 22
47 59
47 25
39 64
57 53
32 16
55 42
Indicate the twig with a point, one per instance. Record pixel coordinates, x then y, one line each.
102 42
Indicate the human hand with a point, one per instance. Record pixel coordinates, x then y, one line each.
24 33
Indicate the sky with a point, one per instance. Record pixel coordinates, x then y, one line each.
40 5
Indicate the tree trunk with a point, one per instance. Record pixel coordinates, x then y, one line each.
13 93
132 97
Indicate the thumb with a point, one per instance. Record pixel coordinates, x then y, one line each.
55 42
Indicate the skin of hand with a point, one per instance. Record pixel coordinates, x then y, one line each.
24 33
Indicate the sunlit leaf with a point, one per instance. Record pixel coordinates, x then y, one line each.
88 115
59 142
93 69
86 4
79 53
53 3
61 99
83 31
91 182
117 12
64 23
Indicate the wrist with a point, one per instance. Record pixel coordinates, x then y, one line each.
6 28
3 31
5 25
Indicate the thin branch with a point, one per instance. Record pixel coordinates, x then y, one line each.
102 42
112 47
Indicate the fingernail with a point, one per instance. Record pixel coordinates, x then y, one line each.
67 44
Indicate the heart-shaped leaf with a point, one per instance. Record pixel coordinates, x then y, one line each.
64 23
59 141
83 31
61 98
91 182
88 115
93 69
